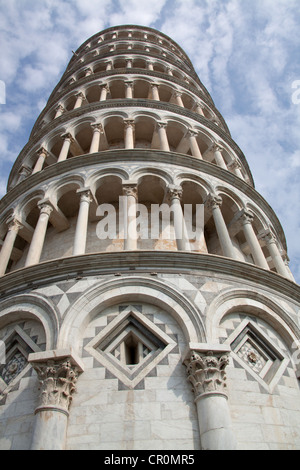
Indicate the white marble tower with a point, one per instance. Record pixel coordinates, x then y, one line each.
118 330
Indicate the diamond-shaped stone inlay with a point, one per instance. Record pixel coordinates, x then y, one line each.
130 346
18 345
258 354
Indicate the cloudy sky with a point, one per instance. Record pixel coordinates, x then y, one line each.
246 52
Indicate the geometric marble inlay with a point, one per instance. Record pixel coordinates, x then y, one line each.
18 345
130 346
260 356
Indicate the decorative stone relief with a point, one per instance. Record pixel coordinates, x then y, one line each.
206 372
130 346
57 383
258 354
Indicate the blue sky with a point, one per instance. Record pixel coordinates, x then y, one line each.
246 53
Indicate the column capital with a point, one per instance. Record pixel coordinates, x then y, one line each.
246 217
174 192
130 189
59 107
206 372
129 83
192 133
234 165
267 236
217 147
42 152
129 123
58 373
85 195
80 94
213 201
14 224
161 124
45 207
68 136
104 86
97 127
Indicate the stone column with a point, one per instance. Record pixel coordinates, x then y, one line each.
206 373
129 63
104 92
37 242
8 245
271 244
129 134
150 66
129 90
175 195
130 228
58 373
255 248
68 139
194 144
214 203
163 138
82 222
236 167
155 92
97 129
178 99
217 149
59 111
88 72
25 172
42 155
79 100
199 109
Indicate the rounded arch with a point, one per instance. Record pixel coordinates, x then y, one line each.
256 304
130 289
66 184
32 306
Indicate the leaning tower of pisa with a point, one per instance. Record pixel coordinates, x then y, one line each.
146 301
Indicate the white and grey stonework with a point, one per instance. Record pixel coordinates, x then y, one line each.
142 343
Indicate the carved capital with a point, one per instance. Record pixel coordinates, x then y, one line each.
67 136
247 217
85 195
213 201
206 372
45 208
14 225
57 383
42 152
97 128
130 190
129 123
174 193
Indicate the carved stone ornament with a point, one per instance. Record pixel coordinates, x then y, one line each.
206 372
57 383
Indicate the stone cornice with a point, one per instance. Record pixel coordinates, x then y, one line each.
129 103
147 262
157 156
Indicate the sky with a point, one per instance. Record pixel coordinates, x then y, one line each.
245 52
